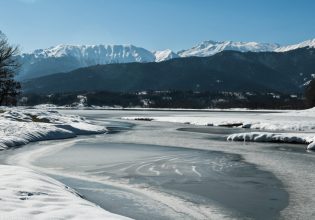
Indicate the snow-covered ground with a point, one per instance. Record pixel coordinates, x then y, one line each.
287 127
21 126
26 194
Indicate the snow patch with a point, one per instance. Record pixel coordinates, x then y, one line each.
26 194
21 126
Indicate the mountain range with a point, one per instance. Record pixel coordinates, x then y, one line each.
65 58
229 71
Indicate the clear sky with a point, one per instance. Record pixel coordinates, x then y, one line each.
155 24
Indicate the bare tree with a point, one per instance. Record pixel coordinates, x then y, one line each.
9 88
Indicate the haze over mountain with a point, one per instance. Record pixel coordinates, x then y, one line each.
64 58
233 71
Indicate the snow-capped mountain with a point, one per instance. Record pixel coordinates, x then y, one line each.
229 71
308 43
164 55
63 58
99 54
209 48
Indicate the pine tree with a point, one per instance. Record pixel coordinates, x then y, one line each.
9 88
310 94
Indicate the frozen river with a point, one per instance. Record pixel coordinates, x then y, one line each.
160 170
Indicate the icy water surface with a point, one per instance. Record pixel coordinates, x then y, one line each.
198 176
127 174
156 170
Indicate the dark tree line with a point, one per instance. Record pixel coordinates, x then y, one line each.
9 88
310 94
172 99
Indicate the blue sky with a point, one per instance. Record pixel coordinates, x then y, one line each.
155 24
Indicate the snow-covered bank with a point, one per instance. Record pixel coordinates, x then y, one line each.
21 126
288 127
26 194
300 138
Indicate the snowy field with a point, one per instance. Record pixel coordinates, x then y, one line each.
27 194
286 127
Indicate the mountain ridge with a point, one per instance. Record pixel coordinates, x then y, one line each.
64 58
226 71
209 48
